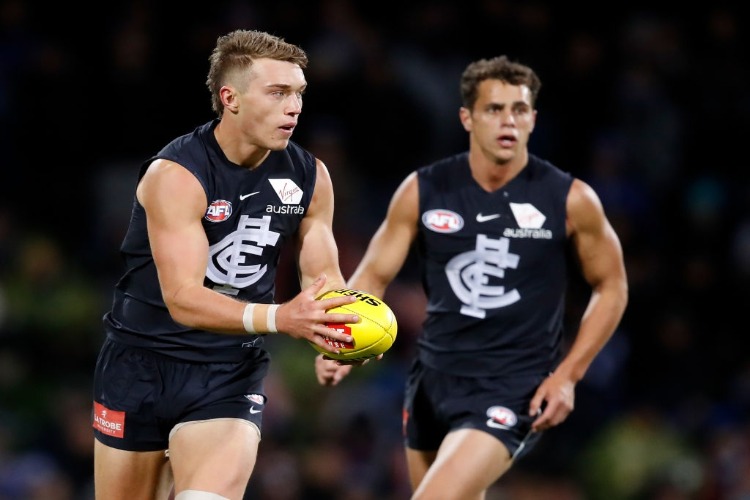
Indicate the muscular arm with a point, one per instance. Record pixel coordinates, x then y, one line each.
389 247
317 250
175 204
598 250
383 259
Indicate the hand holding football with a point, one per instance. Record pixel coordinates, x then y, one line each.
372 336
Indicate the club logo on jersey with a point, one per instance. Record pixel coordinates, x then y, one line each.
474 276
501 417
218 211
442 221
231 260
109 422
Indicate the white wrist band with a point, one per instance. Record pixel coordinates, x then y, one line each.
271 318
247 318
249 321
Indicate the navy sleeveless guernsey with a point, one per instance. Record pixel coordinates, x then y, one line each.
493 267
249 217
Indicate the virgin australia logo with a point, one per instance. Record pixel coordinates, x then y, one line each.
288 192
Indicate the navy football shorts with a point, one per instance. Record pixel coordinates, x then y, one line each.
139 396
437 403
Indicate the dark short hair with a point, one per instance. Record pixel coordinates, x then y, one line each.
498 68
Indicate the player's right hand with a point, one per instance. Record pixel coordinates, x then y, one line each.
305 317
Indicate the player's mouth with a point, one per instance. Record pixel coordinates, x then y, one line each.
507 140
288 128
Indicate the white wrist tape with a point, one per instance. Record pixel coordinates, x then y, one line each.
247 318
262 315
271 318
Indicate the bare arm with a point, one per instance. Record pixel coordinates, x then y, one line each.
317 252
175 204
318 256
389 247
383 259
599 252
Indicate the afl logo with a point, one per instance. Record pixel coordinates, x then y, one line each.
218 211
442 221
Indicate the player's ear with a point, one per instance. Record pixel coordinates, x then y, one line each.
464 115
228 95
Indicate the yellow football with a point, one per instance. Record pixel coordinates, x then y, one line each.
373 335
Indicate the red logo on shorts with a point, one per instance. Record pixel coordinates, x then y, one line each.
501 417
109 422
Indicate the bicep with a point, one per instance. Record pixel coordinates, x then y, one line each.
317 250
175 203
596 244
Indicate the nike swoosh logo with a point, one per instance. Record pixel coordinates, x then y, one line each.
254 411
485 218
243 196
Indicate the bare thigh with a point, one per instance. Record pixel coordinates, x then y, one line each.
120 474
468 462
418 462
216 455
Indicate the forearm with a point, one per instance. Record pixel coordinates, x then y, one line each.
382 261
602 316
202 308
369 283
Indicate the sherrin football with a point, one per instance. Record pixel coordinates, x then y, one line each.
372 335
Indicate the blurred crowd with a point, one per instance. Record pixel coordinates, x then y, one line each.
647 104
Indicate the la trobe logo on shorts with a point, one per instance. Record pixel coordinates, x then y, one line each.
109 422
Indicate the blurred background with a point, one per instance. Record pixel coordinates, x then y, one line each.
649 105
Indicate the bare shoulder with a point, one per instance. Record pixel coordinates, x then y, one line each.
323 176
167 182
408 190
166 177
321 167
404 203
584 208
323 193
162 168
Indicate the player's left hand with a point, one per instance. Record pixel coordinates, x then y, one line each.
332 371
329 372
553 401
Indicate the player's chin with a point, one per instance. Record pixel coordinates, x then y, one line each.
278 143
284 134
279 147
504 155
